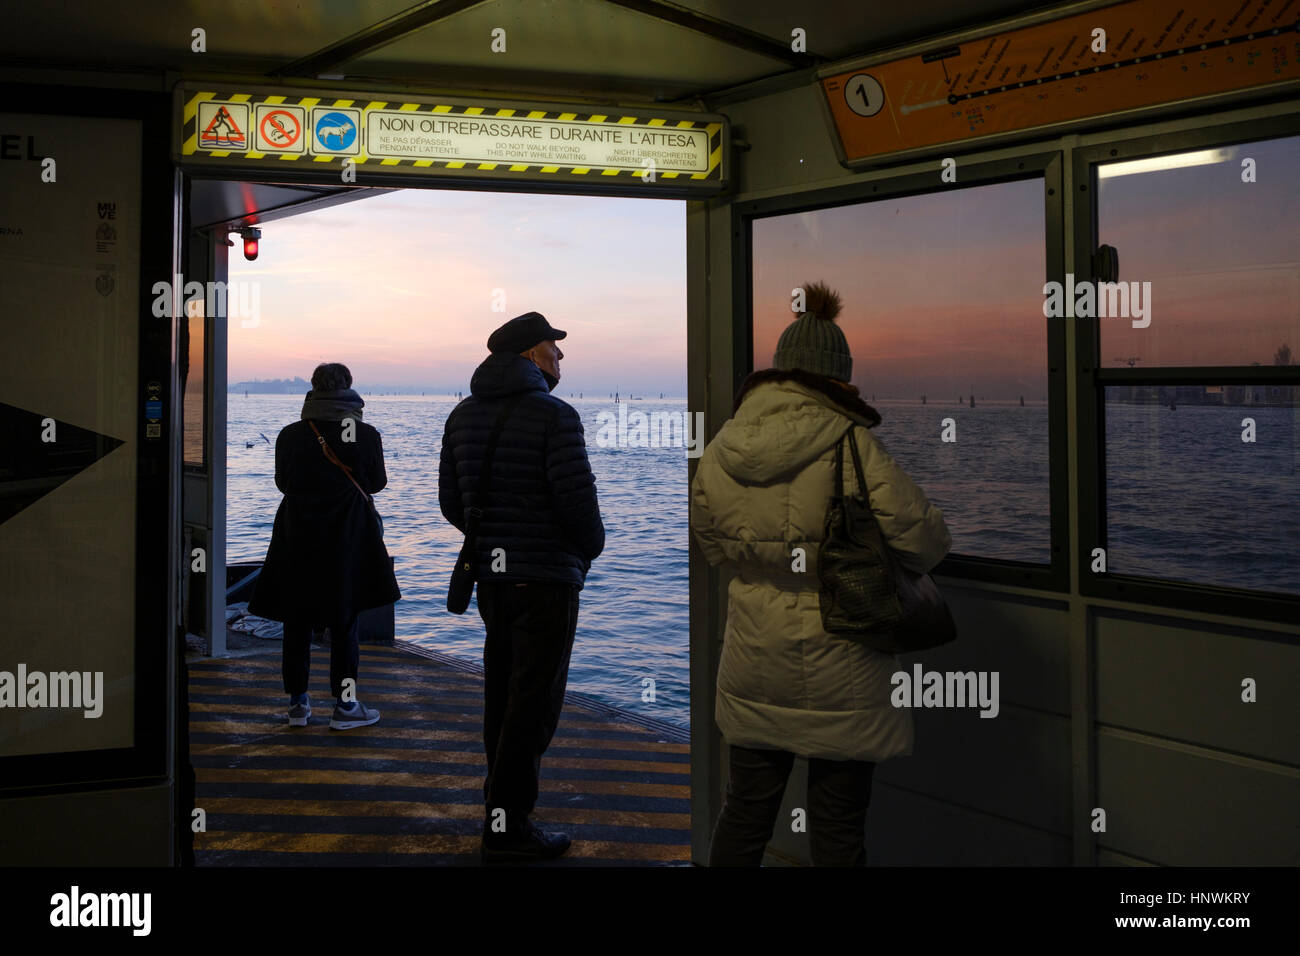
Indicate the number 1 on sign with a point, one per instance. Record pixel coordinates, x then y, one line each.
864 94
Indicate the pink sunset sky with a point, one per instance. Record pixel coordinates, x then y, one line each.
942 292
400 287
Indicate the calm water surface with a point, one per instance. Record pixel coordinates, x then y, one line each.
632 620
1187 500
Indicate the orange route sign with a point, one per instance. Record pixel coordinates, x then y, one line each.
1133 55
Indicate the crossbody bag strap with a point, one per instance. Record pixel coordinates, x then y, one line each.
839 467
857 465
839 483
329 453
474 515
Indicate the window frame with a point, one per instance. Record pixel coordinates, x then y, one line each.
1046 166
1094 378
197 468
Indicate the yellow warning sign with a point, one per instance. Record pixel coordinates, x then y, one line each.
1133 55
664 151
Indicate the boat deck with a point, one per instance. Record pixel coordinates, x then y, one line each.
408 791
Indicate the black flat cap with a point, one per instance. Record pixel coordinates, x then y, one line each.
523 332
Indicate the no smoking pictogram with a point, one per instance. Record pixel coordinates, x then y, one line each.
280 129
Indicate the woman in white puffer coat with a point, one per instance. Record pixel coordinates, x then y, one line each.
786 688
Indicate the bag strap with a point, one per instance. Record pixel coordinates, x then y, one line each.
839 467
474 515
857 465
329 453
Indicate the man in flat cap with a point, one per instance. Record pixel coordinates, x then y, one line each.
539 530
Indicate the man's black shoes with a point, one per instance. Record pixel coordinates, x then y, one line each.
522 844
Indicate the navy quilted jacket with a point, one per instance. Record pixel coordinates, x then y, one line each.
542 509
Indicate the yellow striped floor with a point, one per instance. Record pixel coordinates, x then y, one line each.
409 789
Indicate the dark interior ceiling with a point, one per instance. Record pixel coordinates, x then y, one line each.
631 50
696 53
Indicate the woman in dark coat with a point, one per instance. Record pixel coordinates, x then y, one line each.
326 561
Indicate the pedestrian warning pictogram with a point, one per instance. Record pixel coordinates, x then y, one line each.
222 125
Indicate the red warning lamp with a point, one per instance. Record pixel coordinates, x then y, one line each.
250 236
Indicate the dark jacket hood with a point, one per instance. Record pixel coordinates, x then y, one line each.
504 373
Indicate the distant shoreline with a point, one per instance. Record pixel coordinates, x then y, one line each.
443 392
1236 401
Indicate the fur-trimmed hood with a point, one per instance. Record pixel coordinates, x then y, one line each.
785 419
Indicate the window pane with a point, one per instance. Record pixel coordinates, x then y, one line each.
1222 256
194 405
1188 499
943 300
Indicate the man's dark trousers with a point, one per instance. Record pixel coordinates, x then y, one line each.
530 630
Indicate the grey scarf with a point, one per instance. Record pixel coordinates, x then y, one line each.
332 406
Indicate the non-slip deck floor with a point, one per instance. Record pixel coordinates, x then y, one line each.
409 789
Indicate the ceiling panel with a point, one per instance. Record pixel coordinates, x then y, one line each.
554 48
837 30
248 35
598 45
215 201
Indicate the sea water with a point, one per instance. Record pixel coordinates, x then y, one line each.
1186 500
633 614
